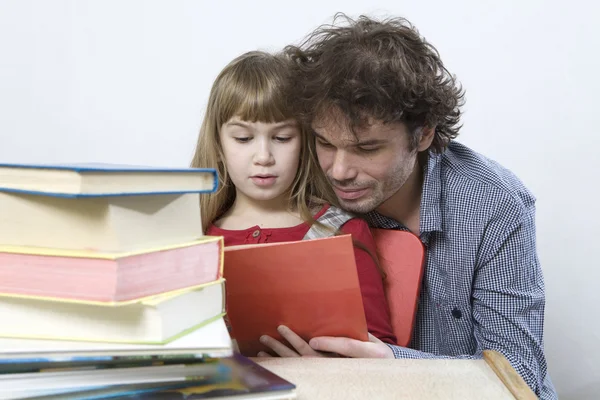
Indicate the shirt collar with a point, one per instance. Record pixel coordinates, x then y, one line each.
431 214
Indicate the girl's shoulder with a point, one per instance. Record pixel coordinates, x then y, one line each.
335 219
329 211
332 216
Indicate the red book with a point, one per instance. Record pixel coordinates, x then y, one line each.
401 256
109 277
311 286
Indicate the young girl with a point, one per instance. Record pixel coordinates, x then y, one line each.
271 188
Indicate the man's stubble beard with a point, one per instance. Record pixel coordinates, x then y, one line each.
380 192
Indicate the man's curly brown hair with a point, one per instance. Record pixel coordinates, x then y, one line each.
382 70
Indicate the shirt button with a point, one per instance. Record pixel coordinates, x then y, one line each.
256 233
456 313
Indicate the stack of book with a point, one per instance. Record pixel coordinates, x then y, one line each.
108 286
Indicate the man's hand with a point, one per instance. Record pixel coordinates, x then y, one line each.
347 347
300 347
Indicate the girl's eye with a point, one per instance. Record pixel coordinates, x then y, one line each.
282 139
242 139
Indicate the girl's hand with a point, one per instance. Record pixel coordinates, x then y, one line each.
300 347
328 346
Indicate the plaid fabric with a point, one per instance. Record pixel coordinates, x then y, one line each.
333 218
483 286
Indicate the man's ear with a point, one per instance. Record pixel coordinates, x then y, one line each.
427 135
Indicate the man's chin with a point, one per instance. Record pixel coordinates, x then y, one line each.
359 206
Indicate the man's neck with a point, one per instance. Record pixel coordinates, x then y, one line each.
405 205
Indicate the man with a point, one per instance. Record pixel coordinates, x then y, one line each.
385 111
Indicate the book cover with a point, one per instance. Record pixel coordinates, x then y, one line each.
54 252
311 286
401 256
98 179
109 277
210 340
104 167
236 377
23 383
155 320
103 224
247 380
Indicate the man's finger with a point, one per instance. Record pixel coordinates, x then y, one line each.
351 348
281 349
340 345
296 341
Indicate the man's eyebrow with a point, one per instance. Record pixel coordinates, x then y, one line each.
369 142
317 134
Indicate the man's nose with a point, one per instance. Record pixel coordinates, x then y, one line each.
342 170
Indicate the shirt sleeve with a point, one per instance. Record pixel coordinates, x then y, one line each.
508 300
371 282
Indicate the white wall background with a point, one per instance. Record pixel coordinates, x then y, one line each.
126 82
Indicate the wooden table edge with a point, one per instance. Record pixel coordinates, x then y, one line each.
507 374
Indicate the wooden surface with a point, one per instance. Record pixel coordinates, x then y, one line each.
346 378
511 379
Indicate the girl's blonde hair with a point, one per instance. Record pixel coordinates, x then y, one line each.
255 87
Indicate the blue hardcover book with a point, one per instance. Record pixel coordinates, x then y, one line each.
95 180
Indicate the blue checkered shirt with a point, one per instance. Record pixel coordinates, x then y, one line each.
483 286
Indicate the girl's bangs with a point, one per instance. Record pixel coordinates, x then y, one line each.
259 99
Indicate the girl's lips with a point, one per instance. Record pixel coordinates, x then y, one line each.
263 180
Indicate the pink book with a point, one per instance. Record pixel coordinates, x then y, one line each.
109 277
